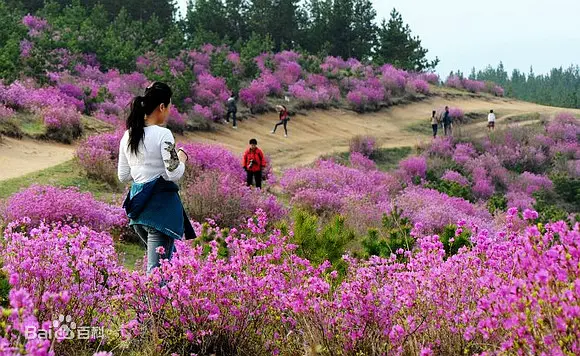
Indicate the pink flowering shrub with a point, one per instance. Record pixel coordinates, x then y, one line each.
429 77
564 128
454 82
417 86
26 96
367 95
433 210
288 73
176 122
65 271
364 145
257 284
15 319
99 155
272 83
202 111
35 25
530 183
413 167
333 65
214 187
474 86
26 48
214 157
67 205
62 123
456 113
520 200
482 186
211 92
14 95
287 56
327 187
464 152
222 197
440 147
254 96
392 78
487 172
361 162
456 177
72 90
316 91
5 113
573 168
271 296
515 152
59 111
497 90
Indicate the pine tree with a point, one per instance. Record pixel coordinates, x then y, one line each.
473 74
236 19
341 32
560 87
284 27
317 25
204 20
398 47
364 29
260 14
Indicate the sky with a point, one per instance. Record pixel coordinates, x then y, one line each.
474 33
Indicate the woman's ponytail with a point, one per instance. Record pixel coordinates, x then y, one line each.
155 94
136 123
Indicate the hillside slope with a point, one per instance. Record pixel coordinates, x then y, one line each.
318 133
323 132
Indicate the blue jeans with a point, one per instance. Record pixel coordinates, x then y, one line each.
154 239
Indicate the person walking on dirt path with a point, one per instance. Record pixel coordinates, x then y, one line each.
447 121
148 159
232 110
254 163
434 123
284 118
491 121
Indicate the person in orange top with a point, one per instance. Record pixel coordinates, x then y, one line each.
254 162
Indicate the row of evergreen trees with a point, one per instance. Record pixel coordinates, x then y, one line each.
346 28
560 87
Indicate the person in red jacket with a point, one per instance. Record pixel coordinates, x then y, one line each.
284 118
254 162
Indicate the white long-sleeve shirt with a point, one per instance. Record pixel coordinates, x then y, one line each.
491 117
156 158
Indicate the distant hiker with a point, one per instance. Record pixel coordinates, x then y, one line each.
447 122
491 121
284 118
232 110
147 157
434 123
253 163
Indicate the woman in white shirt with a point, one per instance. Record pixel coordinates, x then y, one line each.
491 120
148 159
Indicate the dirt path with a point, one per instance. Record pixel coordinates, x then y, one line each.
20 157
323 132
310 136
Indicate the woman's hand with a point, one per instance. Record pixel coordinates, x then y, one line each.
182 156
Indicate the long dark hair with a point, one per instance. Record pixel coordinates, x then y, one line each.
156 94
